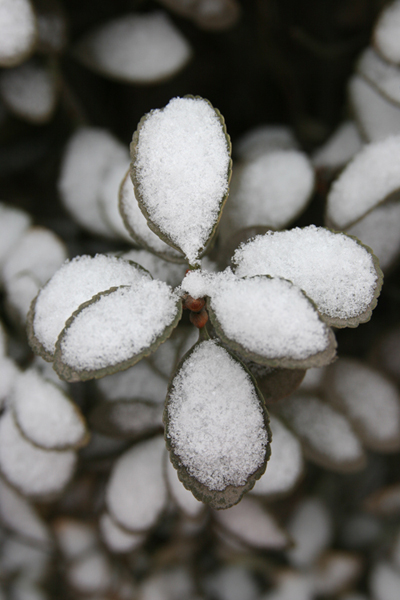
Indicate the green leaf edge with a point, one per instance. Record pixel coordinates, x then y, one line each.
231 495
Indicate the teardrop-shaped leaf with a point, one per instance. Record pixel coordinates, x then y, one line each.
336 271
126 419
181 168
216 426
76 282
116 329
17 31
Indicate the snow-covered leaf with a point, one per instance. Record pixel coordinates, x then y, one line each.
173 583
386 32
181 169
384 76
76 282
136 48
45 415
126 418
89 155
30 91
384 582
310 527
185 500
136 493
263 139
336 271
276 384
17 31
13 223
108 198
286 464
9 372
33 471
75 538
92 574
370 400
326 434
385 501
216 426
336 572
140 382
343 144
116 329
28 561
253 525
161 269
117 539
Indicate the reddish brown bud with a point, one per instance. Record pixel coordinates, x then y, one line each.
199 319
194 304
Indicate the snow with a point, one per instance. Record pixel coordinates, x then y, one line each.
232 582
33 471
127 418
19 558
118 326
335 572
46 416
386 33
74 283
75 538
263 139
326 432
213 413
89 155
137 48
252 524
336 272
378 118
30 91
163 270
180 168
340 147
384 582
13 223
370 400
136 493
8 375
286 464
310 528
175 583
17 31
117 539
91 574
140 381
20 292
183 498
385 76
136 222
108 198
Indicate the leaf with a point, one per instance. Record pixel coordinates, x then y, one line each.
136 48
263 139
13 223
126 419
386 32
216 426
340 275
116 329
91 574
117 539
140 382
276 384
17 31
339 148
310 527
384 76
184 499
75 538
181 169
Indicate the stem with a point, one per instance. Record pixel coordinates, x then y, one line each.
203 334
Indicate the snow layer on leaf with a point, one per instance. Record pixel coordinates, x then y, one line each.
20 291
19 558
172 584
35 472
109 198
183 498
311 530
136 493
140 381
326 432
263 139
13 223
252 524
92 574
74 537
335 572
118 325
380 230
215 421
371 177
232 582
386 33
30 91
164 270
17 31
385 76
336 272
181 171
3 342
378 118
137 224
138 48
20 516
343 144
90 154
271 189
285 465
8 375
384 582
117 539
370 400
292 585
46 416
270 318
74 283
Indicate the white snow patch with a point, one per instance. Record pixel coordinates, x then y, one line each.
140 381
384 582
117 539
75 538
342 145
310 527
109 197
386 33
92 574
17 30
164 270
13 223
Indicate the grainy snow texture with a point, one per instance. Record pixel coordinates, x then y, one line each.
271 189
253 525
215 422
13 223
263 139
310 528
46 416
89 155
117 539
343 144
181 166
369 179
77 281
17 31
326 433
35 472
384 76
386 33
30 91
118 325
336 272
136 493
285 465
137 48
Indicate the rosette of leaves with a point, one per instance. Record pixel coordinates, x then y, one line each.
97 316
